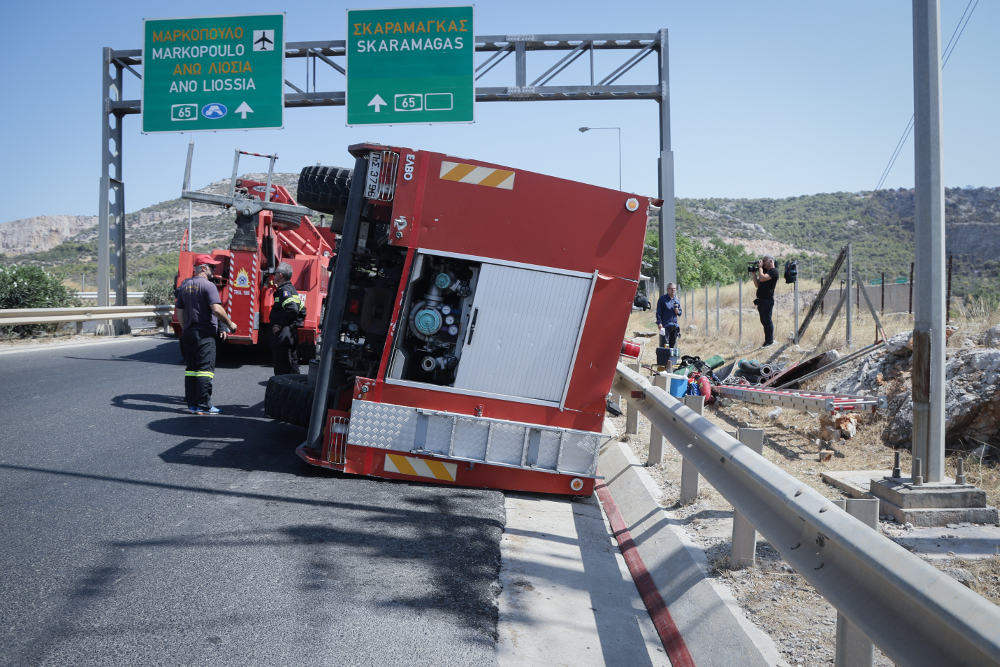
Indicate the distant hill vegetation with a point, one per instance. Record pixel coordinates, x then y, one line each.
810 228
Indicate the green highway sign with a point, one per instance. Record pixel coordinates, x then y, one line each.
411 65
213 73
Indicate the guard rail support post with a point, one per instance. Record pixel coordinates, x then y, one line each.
655 437
632 409
744 549
854 648
689 472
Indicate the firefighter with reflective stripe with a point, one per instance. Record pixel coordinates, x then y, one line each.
199 310
287 314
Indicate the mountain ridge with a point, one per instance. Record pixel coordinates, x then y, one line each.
809 228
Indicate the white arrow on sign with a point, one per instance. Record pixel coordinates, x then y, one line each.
243 109
376 102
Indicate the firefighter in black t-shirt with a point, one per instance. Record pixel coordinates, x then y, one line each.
287 314
765 278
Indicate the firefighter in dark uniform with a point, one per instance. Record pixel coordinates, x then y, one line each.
287 314
199 310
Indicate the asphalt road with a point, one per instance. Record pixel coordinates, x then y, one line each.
132 533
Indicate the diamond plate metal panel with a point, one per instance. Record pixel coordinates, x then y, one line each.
506 443
401 428
580 453
470 438
439 429
382 426
548 450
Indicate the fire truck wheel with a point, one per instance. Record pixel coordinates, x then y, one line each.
325 189
287 220
288 398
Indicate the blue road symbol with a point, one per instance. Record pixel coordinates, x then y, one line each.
214 110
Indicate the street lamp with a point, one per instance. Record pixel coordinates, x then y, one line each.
619 131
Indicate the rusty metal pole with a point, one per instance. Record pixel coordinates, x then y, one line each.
947 298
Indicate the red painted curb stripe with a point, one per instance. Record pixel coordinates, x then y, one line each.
670 636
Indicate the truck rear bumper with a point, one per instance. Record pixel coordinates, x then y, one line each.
410 466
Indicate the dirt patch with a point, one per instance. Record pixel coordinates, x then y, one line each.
771 594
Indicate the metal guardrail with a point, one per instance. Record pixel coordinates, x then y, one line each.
93 295
916 614
16 316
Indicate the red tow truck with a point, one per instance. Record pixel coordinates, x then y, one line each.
269 230
474 320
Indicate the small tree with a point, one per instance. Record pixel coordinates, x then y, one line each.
31 287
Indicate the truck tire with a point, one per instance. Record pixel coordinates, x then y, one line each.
284 220
325 189
288 398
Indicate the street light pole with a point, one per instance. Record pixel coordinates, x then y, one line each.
619 131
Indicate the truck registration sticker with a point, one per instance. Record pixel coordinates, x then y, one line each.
374 169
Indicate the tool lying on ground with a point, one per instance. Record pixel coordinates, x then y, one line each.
801 400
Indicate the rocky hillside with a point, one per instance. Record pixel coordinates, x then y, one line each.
153 230
41 232
810 228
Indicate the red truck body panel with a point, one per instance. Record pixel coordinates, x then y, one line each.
494 231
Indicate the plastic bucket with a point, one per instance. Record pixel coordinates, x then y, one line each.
678 385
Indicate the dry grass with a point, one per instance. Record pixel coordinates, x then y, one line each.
794 435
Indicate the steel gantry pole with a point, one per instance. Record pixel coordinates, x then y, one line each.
668 223
111 207
928 302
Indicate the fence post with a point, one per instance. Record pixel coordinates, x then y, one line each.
706 309
689 473
739 336
947 298
848 302
717 306
883 293
795 290
909 308
853 646
744 549
632 410
655 437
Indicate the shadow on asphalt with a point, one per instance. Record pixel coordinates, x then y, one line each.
169 352
449 536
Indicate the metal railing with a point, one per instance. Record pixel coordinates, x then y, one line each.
916 614
17 316
93 295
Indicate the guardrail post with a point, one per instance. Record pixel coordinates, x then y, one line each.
689 472
655 437
854 648
744 550
632 409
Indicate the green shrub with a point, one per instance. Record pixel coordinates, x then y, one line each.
32 287
158 294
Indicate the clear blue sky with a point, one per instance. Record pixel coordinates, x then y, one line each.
768 99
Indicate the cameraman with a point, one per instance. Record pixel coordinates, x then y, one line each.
765 277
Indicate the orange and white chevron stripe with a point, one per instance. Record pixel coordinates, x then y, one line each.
409 465
470 173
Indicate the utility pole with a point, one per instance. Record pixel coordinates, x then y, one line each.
928 302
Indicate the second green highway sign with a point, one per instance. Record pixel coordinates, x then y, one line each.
412 65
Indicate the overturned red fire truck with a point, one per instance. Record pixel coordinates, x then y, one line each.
473 323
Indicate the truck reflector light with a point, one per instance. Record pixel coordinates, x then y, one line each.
631 204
